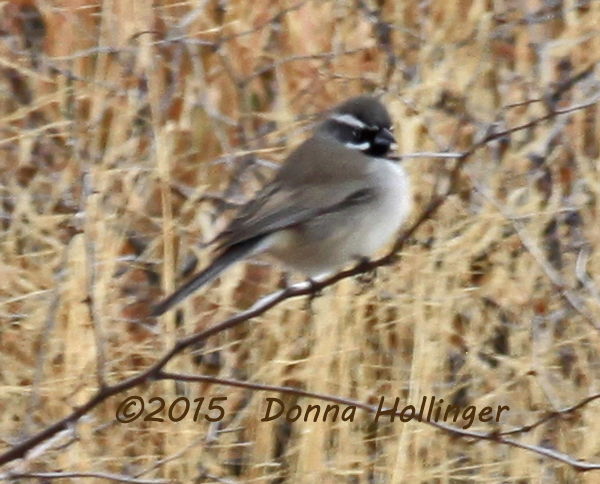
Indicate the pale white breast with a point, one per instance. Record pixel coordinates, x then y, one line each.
392 208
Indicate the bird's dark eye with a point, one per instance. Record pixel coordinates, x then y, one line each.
360 135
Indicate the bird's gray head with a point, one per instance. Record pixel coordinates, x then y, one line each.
361 123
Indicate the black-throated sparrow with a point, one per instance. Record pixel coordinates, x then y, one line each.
336 198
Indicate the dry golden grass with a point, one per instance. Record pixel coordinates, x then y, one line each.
126 128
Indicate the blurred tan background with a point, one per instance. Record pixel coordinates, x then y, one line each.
128 131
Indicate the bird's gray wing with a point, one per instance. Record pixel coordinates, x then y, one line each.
320 176
277 208
273 209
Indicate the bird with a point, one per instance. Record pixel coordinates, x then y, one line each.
338 197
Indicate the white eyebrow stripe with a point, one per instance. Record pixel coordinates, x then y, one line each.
348 120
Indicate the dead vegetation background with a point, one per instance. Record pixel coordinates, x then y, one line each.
129 129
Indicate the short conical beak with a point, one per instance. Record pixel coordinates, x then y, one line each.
384 141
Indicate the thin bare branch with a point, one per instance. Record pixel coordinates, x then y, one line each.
494 436
80 475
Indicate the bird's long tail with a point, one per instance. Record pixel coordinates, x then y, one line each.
231 255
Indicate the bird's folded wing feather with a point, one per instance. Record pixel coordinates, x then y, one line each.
317 178
278 208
